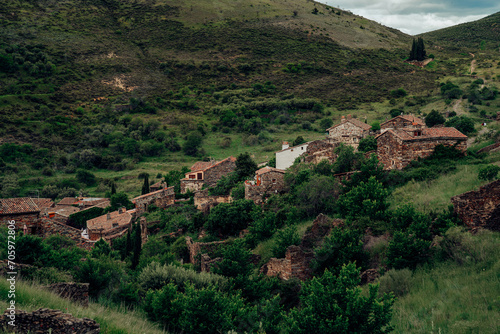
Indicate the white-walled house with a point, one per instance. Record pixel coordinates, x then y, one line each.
286 157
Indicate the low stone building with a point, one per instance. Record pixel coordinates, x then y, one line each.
161 198
480 208
110 225
158 186
207 173
320 150
268 181
349 131
25 211
204 202
286 157
402 121
397 148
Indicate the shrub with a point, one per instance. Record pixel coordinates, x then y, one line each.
86 177
434 118
368 199
284 239
230 218
407 250
367 144
155 276
489 172
400 92
462 123
332 304
398 282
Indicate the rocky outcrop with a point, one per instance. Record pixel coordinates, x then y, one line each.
77 292
46 320
480 208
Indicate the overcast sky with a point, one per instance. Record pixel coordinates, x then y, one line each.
418 16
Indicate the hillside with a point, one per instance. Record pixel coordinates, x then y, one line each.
483 34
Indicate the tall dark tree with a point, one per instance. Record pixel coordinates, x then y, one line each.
145 186
137 245
113 188
418 50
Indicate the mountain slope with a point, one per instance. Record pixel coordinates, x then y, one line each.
480 34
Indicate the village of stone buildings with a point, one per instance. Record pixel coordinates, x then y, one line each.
400 140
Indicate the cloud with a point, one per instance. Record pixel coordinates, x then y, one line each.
414 17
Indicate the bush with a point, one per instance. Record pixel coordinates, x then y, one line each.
86 177
462 123
368 144
368 199
230 218
488 173
332 304
434 118
155 276
400 92
284 239
398 282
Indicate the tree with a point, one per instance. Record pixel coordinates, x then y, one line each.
299 140
462 123
192 145
113 188
285 238
417 50
367 144
434 118
84 176
145 186
230 218
369 199
335 304
120 199
245 166
347 159
137 245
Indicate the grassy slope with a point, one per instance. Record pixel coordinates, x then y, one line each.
30 296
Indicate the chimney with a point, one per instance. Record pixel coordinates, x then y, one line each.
285 145
342 119
349 116
108 216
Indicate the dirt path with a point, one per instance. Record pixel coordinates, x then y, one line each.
471 140
472 64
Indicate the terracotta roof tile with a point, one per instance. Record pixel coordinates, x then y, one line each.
43 203
169 190
410 118
105 223
18 205
429 133
68 201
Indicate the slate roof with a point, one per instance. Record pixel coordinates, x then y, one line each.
430 133
68 201
410 118
18 205
355 122
268 169
169 191
204 165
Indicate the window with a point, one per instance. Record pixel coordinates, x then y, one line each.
192 176
274 181
200 176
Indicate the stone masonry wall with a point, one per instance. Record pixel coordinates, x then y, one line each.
213 174
77 292
30 219
47 321
319 150
161 198
348 133
480 208
196 249
395 153
48 227
205 202
191 185
270 183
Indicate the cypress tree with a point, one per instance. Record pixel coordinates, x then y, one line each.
145 186
413 52
137 245
128 246
113 188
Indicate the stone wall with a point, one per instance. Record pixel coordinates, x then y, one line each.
394 153
319 150
48 227
480 208
48 321
205 202
347 133
220 169
196 249
77 292
191 185
296 263
268 183
161 198
30 219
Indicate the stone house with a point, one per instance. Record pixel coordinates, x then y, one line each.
267 181
161 198
480 208
397 148
286 157
204 202
349 131
402 121
207 173
110 225
83 202
158 186
24 211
